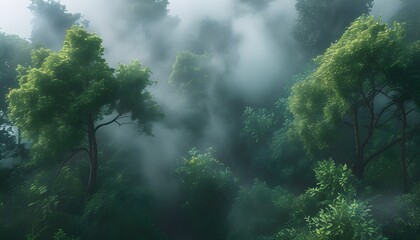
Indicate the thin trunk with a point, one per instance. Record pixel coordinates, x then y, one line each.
358 165
93 154
403 152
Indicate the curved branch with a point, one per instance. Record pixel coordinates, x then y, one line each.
107 123
67 159
382 112
391 144
383 149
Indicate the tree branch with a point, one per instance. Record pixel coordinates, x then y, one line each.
343 123
382 112
371 127
68 158
107 123
391 144
383 149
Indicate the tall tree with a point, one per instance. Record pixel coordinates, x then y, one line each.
191 76
353 85
14 51
50 22
65 97
321 22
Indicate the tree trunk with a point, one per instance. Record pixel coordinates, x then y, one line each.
358 166
403 153
404 169
93 154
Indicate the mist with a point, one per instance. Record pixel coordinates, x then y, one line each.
250 56
252 51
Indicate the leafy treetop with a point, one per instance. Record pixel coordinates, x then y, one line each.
64 97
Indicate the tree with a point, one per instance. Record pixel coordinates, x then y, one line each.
191 80
208 188
320 23
146 11
14 51
65 97
190 75
147 20
50 22
258 5
353 85
7 140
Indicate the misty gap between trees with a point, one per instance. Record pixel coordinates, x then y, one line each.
212 120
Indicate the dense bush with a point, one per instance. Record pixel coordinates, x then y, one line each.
259 211
207 188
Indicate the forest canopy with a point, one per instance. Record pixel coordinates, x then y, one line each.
227 120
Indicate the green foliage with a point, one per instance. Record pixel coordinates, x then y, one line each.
61 235
345 219
190 75
119 210
341 216
44 203
356 65
55 120
406 219
7 140
258 124
52 118
133 79
303 233
321 22
146 11
332 181
208 190
259 211
384 174
202 169
14 51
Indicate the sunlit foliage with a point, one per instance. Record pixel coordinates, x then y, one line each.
58 120
351 76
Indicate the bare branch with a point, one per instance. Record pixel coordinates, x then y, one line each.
107 123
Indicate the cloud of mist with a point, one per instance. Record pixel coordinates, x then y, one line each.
252 53
250 50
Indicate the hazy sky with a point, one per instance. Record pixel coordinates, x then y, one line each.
15 16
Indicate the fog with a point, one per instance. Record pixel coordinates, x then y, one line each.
246 54
252 53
